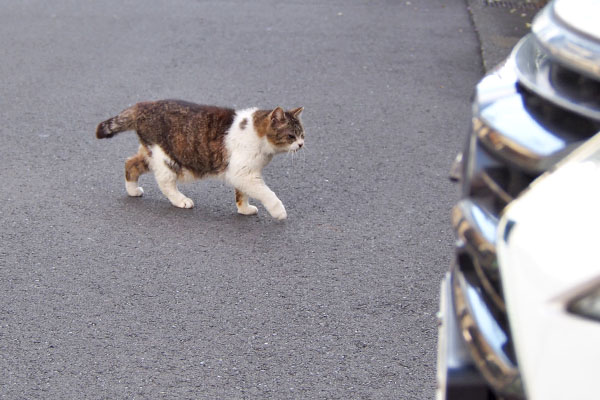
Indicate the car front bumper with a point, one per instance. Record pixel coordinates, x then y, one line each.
474 360
458 377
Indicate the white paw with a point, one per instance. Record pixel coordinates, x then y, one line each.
248 210
183 202
133 189
278 212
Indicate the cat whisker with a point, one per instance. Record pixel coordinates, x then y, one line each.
304 156
290 151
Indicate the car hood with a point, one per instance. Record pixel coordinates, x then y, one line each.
580 15
549 254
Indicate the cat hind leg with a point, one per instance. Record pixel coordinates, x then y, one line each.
168 185
167 179
134 167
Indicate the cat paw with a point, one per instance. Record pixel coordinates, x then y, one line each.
133 189
183 202
248 210
278 212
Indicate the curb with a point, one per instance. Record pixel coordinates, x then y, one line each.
499 25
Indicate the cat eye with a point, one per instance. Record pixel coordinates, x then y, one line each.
292 137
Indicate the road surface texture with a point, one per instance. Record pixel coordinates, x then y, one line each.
108 297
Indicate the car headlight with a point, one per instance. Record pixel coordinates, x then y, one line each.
588 305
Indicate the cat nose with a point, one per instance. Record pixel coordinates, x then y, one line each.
300 144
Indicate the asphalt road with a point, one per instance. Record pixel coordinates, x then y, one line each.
108 297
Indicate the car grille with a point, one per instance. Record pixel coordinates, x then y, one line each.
578 88
528 115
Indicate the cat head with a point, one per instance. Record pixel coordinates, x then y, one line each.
284 130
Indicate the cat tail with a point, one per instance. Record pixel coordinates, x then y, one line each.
125 121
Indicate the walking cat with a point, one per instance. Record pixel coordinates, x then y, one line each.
182 141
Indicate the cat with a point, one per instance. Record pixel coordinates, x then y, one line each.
181 141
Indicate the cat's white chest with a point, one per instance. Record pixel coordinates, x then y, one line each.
248 153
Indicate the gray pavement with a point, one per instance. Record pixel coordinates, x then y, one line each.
108 297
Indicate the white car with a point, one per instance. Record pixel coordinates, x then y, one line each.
520 308
548 249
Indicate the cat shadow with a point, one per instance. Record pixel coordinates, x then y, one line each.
158 208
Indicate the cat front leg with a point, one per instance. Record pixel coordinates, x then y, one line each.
256 188
245 208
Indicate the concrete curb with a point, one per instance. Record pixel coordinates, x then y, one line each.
499 26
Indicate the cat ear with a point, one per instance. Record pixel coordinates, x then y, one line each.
297 111
277 115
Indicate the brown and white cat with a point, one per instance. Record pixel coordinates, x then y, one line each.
185 141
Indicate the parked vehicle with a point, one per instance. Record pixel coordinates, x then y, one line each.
520 308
